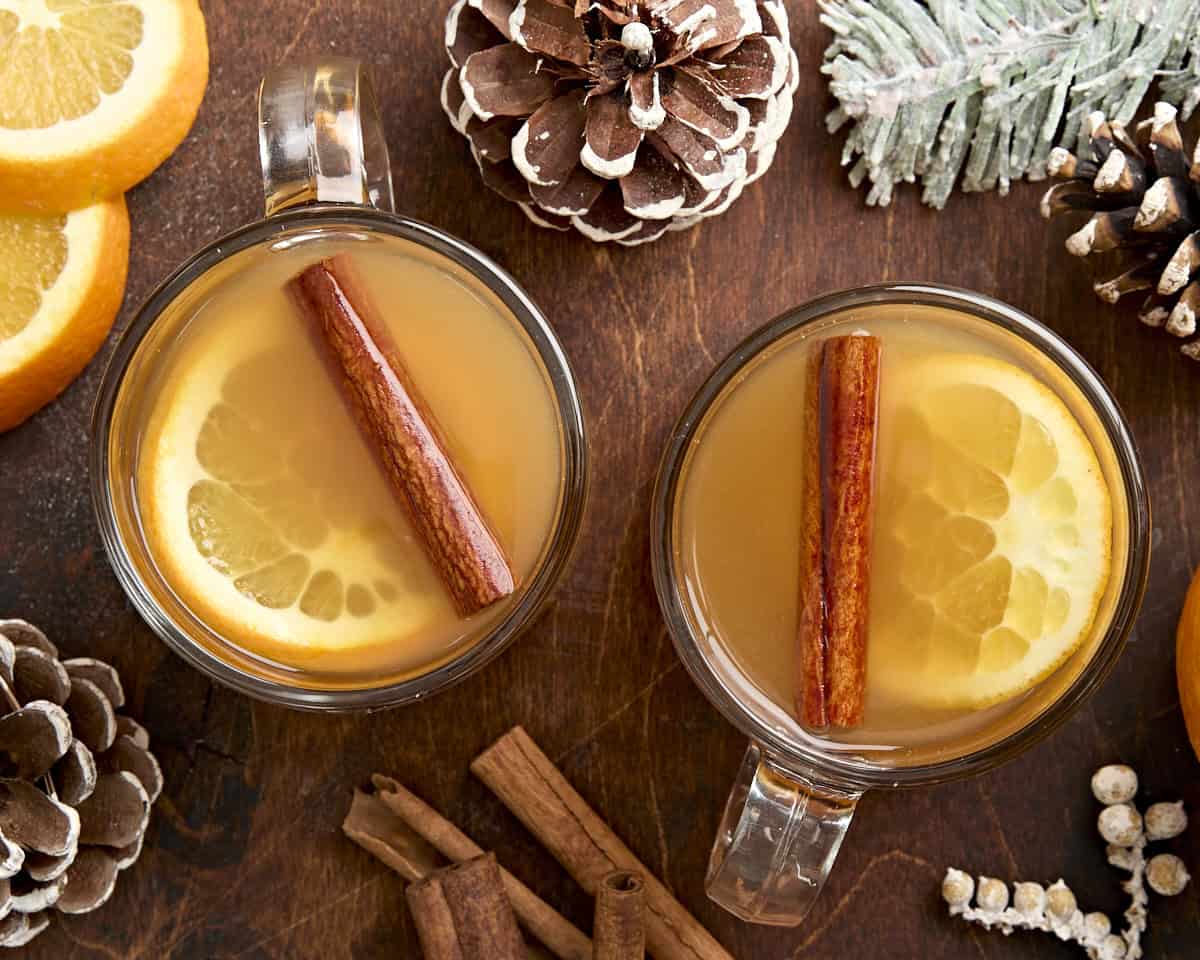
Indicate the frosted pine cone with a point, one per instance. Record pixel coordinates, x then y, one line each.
76 783
622 118
1144 194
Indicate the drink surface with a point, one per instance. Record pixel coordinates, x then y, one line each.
263 509
738 517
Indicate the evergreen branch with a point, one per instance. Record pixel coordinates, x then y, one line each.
935 89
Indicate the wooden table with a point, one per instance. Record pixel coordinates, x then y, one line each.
244 856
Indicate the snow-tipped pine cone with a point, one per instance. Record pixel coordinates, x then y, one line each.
1143 191
622 118
76 783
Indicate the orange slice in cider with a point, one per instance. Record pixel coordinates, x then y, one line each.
993 529
274 526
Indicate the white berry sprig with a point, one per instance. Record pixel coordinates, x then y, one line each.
1053 909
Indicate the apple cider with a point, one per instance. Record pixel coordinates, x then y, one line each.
986 532
267 510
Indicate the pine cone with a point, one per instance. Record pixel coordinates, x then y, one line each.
1143 235
76 783
623 118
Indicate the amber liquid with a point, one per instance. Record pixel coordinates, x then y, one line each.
737 523
269 524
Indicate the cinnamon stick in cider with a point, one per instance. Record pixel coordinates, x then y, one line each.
366 363
841 414
812 701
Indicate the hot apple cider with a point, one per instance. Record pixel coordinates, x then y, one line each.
351 458
896 527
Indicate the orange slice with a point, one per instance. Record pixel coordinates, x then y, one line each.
62 278
994 527
254 523
93 95
1187 662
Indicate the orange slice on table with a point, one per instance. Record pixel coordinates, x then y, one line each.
62 278
93 95
1187 662
994 531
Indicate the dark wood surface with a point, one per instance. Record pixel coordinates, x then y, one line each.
244 856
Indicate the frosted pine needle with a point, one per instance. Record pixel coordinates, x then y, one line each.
941 88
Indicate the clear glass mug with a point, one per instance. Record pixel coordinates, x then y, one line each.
794 796
325 174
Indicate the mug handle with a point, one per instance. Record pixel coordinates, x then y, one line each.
320 137
777 843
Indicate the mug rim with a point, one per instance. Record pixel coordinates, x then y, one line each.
560 544
847 770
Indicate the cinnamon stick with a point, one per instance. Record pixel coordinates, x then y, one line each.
365 362
542 921
620 924
430 909
529 784
462 913
842 404
812 700
377 830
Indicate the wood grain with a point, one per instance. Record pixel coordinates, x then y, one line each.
245 857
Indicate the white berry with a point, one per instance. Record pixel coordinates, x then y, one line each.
1115 783
1097 926
1060 902
1111 948
992 895
957 887
1166 874
1120 824
1165 820
1029 899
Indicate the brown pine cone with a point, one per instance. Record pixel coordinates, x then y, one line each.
76 783
622 118
1145 191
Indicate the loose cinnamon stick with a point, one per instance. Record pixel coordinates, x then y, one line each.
542 921
364 360
430 909
833 618
377 830
382 832
620 925
541 798
462 913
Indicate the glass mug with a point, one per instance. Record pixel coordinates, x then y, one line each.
795 794
326 177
